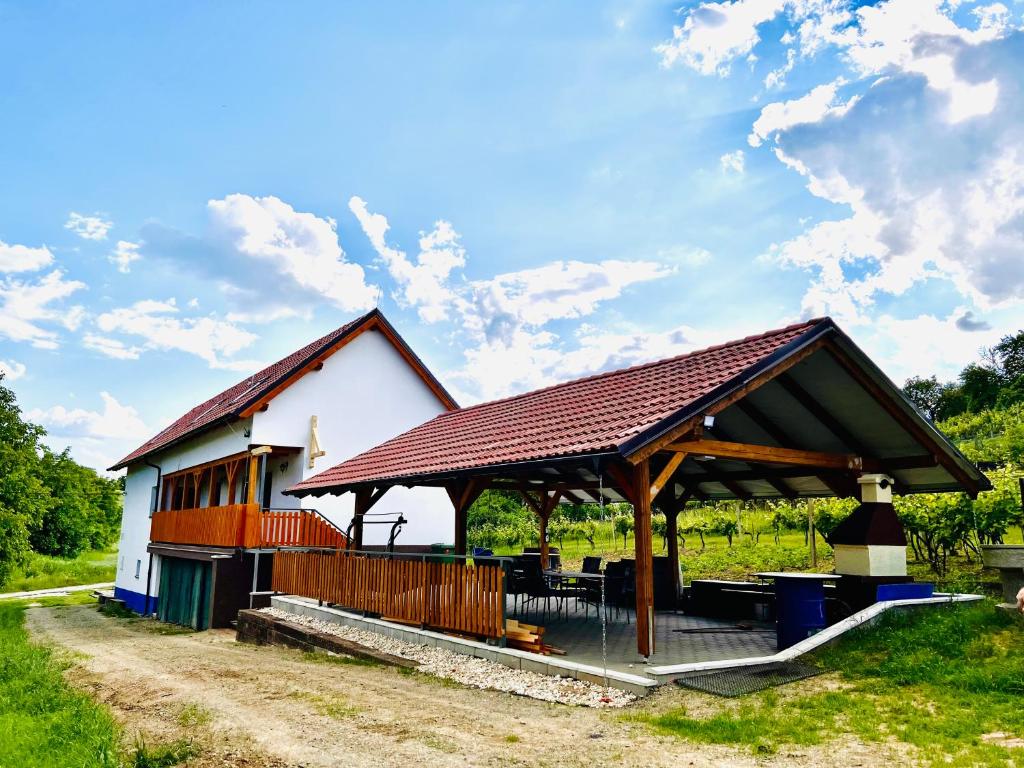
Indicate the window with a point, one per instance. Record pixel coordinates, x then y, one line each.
138 568
152 500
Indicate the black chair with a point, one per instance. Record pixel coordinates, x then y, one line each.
591 564
516 583
620 586
537 588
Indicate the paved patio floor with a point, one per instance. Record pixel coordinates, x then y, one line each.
578 633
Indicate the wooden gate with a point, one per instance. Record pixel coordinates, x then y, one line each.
452 596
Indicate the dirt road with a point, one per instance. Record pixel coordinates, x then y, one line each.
262 706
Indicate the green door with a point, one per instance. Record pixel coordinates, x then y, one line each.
185 592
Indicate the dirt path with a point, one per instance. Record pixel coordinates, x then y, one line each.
262 706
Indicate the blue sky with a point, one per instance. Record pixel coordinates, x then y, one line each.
532 191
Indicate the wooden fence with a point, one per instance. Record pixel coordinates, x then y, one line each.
245 525
449 596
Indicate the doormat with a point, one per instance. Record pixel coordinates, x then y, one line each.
743 680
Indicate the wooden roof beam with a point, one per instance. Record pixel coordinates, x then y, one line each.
765 454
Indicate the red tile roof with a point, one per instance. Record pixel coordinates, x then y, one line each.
230 403
592 415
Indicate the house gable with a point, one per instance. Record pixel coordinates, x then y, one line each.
257 391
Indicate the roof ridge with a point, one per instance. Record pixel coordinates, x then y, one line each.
257 378
640 366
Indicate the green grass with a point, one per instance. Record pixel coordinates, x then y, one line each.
935 680
44 572
45 722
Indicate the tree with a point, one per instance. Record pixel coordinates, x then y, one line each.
623 525
66 525
23 497
659 527
1010 354
926 394
980 385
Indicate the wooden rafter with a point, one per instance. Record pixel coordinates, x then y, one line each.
906 421
687 426
822 414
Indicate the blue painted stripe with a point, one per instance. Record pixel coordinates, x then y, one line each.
135 600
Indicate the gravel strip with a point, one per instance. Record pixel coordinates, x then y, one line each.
471 671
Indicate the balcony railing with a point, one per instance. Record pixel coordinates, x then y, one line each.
245 525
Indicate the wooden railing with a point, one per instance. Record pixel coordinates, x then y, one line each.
291 528
213 526
450 596
245 525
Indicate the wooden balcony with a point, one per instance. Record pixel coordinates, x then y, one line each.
245 525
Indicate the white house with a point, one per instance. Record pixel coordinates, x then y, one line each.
203 498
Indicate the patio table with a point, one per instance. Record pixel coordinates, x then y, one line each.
573 574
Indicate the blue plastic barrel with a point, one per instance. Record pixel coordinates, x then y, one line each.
799 609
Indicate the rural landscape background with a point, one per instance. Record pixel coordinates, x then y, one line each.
532 192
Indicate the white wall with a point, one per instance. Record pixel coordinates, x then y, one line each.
365 394
139 483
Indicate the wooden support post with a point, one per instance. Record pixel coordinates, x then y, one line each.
363 497
461 530
641 498
543 507
672 507
463 494
254 468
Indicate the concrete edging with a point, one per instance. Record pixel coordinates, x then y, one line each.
666 674
510 657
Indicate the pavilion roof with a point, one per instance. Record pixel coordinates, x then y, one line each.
605 413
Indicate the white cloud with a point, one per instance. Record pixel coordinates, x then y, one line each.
733 162
685 256
503 322
424 283
926 343
28 308
926 157
23 258
160 327
115 421
777 77
88 227
714 34
11 369
123 255
110 347
559 290
96 438
300 248
821 102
